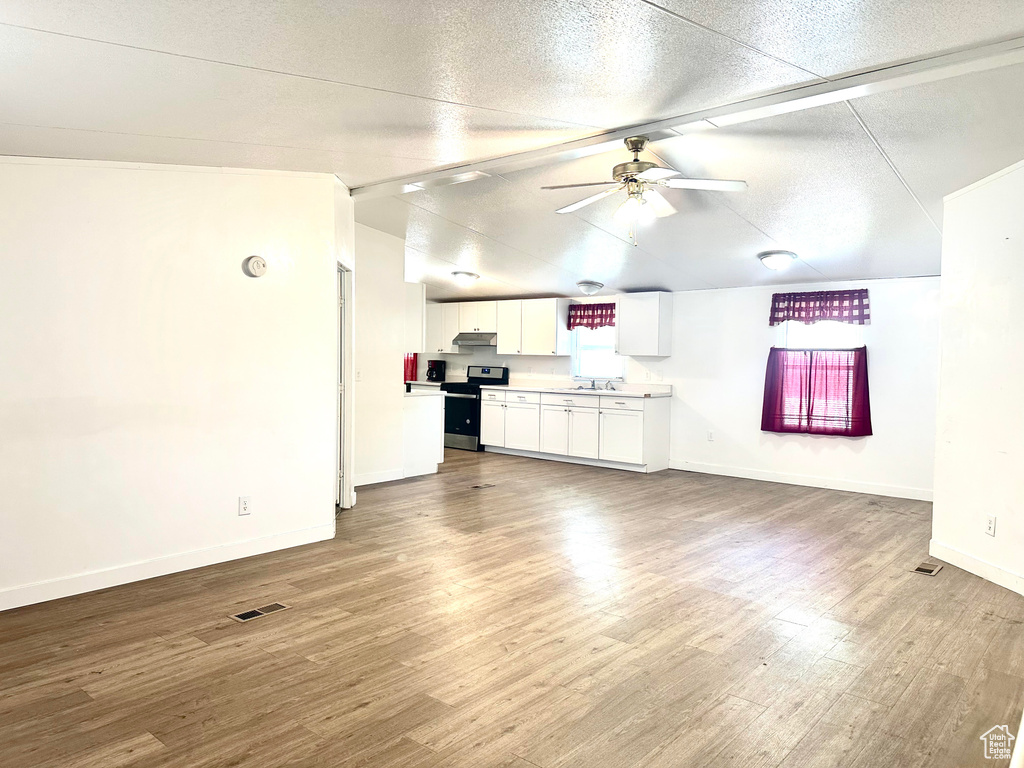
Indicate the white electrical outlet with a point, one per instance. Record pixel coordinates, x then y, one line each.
990 528
244 505
647 375
711 436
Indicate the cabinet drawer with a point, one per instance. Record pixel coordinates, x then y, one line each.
567 400
622 403
489 395
512 396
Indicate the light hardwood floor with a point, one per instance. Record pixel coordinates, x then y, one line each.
567 616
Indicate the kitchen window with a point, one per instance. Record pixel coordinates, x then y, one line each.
593 353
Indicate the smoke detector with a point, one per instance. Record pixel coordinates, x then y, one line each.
589 287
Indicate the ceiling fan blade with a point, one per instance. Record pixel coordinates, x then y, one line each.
588 184
658 203
657 174
717 185
588 200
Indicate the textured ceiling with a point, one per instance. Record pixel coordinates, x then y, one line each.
378 89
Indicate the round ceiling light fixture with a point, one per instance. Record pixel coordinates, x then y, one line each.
589 287
465 278
777 260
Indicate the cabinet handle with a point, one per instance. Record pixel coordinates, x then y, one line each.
619 402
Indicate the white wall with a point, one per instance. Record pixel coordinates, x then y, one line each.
147 383
720 343
380 326
980 440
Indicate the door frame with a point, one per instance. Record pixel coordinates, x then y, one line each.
344 490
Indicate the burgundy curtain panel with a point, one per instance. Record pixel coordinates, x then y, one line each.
591 315
818 392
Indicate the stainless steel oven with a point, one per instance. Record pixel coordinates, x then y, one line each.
462 406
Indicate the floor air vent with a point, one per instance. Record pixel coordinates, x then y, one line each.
481 487
928 569
255 613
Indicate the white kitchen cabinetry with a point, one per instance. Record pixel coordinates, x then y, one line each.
583 433
478 317
492 423
614 430
522 426
545 327
622 436
643 324
442 327
554 429
510 326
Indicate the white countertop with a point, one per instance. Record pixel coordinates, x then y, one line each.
425 383
634 392
424 393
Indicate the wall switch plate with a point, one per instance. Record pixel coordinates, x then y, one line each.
244 505
990 527
711 436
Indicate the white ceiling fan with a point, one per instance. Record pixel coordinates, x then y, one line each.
639 178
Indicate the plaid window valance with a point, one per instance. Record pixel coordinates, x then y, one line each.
591 315
814 306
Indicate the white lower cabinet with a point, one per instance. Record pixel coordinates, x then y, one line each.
626 432
492 424
522 426
583 433
554 429
622 436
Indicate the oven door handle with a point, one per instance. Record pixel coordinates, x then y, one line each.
466 397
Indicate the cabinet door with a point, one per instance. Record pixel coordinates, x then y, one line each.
643 324
435 329
622 436
486 316
539 329
522 426
510 327
450 325
492 424
583 433
554 429
468 317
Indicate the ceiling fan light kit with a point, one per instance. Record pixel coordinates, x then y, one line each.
776 260
589 287
638 177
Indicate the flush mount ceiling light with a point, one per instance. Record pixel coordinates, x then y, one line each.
465 278
777 259
589 287
639 178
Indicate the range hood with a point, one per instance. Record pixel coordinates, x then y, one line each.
476 340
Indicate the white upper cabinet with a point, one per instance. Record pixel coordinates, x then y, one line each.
442 321
449 326
478 317
510 327
434 330
643 324
545 327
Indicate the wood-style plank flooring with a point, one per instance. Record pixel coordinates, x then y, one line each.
566 616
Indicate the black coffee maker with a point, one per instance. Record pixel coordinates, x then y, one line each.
435 370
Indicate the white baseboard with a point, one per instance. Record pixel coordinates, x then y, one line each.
989 571
384 476
878 489
53 589
567 459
